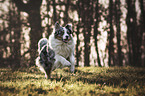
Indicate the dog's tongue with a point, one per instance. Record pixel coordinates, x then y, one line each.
65 40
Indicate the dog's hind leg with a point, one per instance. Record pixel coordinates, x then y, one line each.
48 73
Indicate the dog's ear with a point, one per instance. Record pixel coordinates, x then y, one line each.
57 26
69 27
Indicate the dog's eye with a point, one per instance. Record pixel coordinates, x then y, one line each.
56 32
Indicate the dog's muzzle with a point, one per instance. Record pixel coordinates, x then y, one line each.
67 38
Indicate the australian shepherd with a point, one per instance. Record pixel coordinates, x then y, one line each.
58 51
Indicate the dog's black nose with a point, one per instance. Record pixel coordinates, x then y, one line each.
66 37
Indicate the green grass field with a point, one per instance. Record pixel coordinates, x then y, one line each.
87 81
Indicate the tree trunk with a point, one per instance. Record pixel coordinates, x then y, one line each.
54 12
83 9
35 33
131 28
134 35
142 6
87 47
78 51
96 31
87 30
15 35
111 36
118 16
66 17
33 9
17 44
129 32
142 24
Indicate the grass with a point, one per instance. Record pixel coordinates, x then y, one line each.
87 81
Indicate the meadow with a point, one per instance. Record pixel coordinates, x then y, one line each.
86 81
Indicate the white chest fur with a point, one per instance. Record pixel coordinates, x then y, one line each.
61 48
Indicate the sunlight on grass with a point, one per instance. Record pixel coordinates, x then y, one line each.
90 81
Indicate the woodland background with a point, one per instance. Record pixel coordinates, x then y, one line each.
107 32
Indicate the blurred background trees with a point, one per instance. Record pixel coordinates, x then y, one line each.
107 33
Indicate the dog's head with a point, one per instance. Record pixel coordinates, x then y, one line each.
63 33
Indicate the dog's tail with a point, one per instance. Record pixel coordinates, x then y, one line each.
42 44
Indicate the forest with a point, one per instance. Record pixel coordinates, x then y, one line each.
107 33
109 40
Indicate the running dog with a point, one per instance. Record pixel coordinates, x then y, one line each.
59 52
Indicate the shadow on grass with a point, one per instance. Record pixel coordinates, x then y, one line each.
8 89
122 77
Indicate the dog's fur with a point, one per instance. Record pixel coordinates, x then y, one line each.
45 60
62 43
59 52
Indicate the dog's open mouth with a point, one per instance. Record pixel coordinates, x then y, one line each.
65 40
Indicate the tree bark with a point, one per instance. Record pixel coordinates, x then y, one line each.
66 17
118 16
86 9
54 12
33 9
78 51
134 35
17 44
96 32
15 35
142 6
87 31
142 24
35 33
129 31
111 36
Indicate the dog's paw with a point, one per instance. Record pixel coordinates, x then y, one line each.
72 68
67 64
46 76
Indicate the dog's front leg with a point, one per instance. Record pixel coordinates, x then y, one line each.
60 62
72 60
